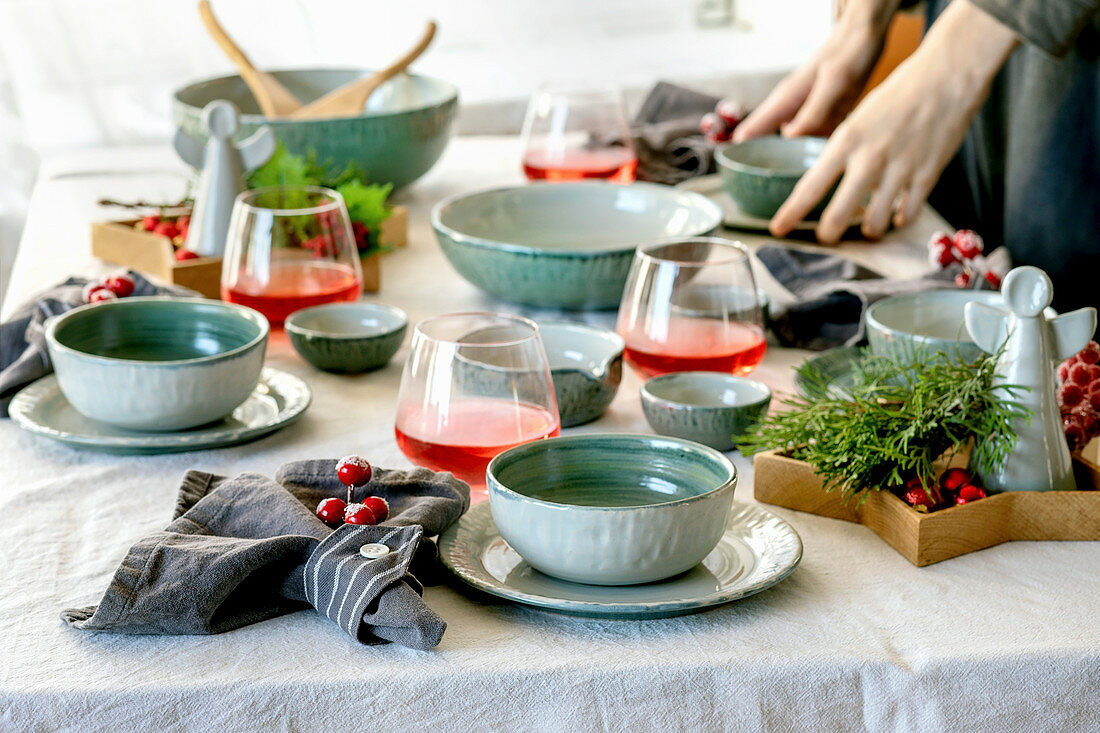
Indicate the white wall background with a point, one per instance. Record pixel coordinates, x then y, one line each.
83 73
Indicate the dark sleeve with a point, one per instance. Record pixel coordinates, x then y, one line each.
1051 25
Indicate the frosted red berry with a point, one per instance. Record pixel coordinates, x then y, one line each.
1080 374
331 510
120 285
918 498
953 478
353 470
962 280
1071 394
968 493
379 506
1075 432
359 514
731 112
1090 354
968 243
711 123
185 254
100 295
993 279
1063 371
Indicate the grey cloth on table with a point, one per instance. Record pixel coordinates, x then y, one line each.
666 134
23 356
245 549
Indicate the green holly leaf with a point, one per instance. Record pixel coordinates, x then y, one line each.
366 203
284 169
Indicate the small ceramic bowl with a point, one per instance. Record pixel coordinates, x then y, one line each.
611 509
929 321
563 245
707 407
157 364
347 338
586 364
759 174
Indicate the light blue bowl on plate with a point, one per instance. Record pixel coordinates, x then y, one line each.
759 174
611 509
563 245
707 407
347 338
586 364
157 364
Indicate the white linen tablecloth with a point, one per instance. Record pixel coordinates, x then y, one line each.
856 638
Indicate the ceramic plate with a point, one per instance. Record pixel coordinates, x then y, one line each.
732 216
835 365
757 551
278 400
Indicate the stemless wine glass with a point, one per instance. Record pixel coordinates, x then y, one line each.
692 305
289 247
570 135
474 385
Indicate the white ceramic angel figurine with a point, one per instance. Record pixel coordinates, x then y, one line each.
1033 345
223 164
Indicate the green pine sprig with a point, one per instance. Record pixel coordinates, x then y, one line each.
894 422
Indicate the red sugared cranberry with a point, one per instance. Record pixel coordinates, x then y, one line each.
993 279
353 470
1071 394
953 478
962 280
731 111
185 254
379 506
331 510
359 514
1090 354
969 493
101 294
166 229
1080 374
918 498
121 285
1063 370
969 243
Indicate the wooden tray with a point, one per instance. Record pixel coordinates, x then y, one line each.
927 538
120 243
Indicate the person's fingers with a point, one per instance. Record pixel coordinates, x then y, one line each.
919 189
876 218
780 106
809 190
819 113
861 175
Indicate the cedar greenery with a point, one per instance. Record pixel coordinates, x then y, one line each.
894 421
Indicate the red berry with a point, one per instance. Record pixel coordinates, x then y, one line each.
969 493
940 256
1075 432
1080 374
918 498
148 223
353 470
1094 396
731 111
1090 354
962 280
1071 394
953 478
121 285
331 510
379 506
166 229
359 514
183 221
1089 420
90 288
968 243
1094 372
185 254
1063 371
711 124
101 294
993 279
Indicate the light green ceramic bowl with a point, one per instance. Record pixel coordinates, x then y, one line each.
611 509
347 338
563 245
157 364
586 364
706 407
399 136
759 174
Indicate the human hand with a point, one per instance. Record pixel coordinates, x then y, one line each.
814 98
899 139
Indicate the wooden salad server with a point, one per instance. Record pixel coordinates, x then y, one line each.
273 98
349 99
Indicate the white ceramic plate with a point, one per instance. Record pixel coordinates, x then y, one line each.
278 400
757 551
732 216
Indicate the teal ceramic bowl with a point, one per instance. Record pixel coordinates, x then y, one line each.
398 137
157 364
586 364
707 407
347 338
611 509
759 174
563 245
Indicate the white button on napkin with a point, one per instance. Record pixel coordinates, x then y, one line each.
374 550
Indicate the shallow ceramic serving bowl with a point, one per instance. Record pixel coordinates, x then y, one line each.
586 364
707 407
398 137
931 321
347 337
759 174
611 509
157 364
563 245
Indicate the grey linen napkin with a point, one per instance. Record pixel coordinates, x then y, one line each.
23 356
245 549
666 134
831 294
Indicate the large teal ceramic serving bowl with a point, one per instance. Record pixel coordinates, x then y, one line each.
706 407
759 174
397 138
611 509
347 338
586 364
157 364
563 245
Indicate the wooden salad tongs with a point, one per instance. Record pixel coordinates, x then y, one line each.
273 98
349 99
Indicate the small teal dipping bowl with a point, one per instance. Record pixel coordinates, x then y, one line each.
347 338
707 407
759 174
157 364
611 509
563 245
586 364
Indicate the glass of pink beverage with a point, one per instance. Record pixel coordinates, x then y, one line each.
289 247
474 385
573 135
692 305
